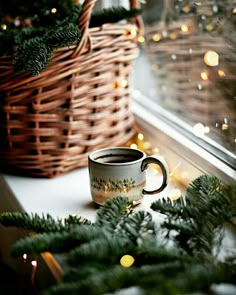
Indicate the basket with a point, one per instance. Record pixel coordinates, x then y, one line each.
50 123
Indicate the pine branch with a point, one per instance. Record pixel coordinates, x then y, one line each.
112 213
62 36
40 224
32 56
137 227
100 250
112 15
109 280
31 222
57 242
209 204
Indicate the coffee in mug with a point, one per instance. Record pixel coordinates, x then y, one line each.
120 171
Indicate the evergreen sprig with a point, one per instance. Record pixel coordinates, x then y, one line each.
49 30
184 262
40 224
112 15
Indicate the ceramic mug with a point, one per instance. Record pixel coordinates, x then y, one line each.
120 171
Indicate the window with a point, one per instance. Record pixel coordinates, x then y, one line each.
185 73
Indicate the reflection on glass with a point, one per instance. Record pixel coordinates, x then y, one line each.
191 49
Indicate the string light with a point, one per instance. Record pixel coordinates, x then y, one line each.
211 58
204 76
184 28
140 136
172 36
156 37
221 73
186 9
127 261
133 146
53 10
141 39
225 126
199 86
4 26
175 194
120 83
199 129
24 256
131 32
34 264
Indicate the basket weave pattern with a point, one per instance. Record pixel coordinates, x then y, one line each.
50 123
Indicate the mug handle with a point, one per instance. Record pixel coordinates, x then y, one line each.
165 172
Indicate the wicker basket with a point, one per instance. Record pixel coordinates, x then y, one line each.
50 123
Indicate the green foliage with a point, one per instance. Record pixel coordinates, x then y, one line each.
177 256
42 30
38 224
112 15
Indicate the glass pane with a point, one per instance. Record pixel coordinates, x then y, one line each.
190 50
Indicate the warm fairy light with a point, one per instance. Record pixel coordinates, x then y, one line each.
127 261
211 58
121 83
172 36
165 34
155 171
34 263
146 145
209 27
190 50
184 28
156 37
131 31
221 73
199 129
225 126
140 136
175 194
186 9
207 129
173 56
199 86
4 26
204 76
53 10
234 11
24 256
134 146
156 150
141 39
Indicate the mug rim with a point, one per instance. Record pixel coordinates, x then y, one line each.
138 151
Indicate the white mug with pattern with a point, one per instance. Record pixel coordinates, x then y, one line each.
120 171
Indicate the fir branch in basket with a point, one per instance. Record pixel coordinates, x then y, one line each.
112 15
182 261
36 44
35 54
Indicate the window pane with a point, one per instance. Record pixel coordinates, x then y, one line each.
190 61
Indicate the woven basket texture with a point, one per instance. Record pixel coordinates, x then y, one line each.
50 123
